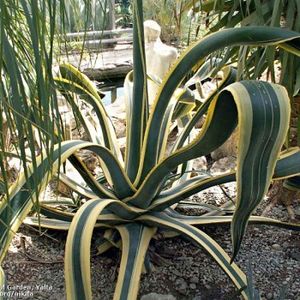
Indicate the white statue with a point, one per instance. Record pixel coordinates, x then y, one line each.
159 56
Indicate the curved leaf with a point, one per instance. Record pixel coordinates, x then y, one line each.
96 187
77 253
288 165
200 238
74 186
71 73
211 220
188 188
47 223
105 124
121 183
261 36
229 78
107 218
262 110
135 241
77 258
23 192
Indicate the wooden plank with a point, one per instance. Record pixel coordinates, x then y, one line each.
94 35
116 71
98 44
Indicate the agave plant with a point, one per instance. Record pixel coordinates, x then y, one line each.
134 198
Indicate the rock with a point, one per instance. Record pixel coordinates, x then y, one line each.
269 296
193 286
200 123
155 296
181 285
109 261
286 245
177 273
89 159
276 247
223 165
169 147
194 280
229 148
120 127
63 189
295 255
122 144
297 211
199 163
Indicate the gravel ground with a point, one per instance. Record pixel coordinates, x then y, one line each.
184 272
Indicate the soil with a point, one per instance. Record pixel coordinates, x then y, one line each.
182 272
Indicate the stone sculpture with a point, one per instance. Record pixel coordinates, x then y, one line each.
159 57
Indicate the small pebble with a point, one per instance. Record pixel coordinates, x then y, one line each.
285 244
155 296
181 285
297 211
194 279
193 286
269 296
276 247
295 255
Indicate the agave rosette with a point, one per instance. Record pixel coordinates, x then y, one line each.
134 198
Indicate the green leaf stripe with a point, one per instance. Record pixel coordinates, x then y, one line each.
239 102
77 256
72 74
135 241
287 166
77 259
258 149
200 238
138 113
195 54
22 193
212 220
229 78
